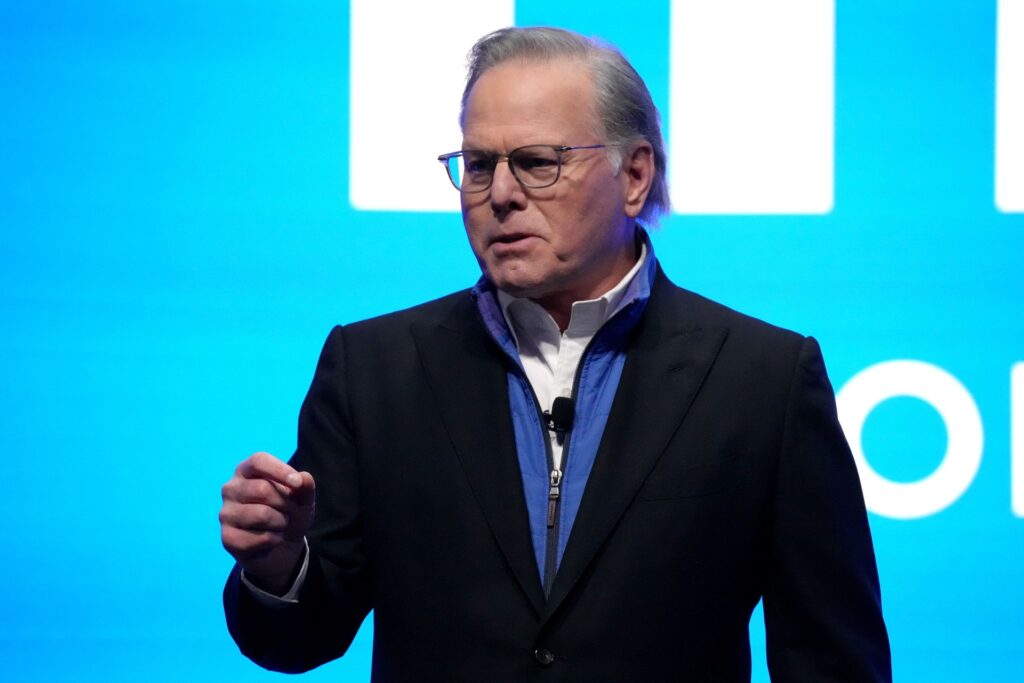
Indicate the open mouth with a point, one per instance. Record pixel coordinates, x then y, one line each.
512 237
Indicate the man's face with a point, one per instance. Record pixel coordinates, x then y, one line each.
568 242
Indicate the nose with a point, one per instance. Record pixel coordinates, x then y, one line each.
506 193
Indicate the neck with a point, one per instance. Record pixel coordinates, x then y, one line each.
559 308
559 304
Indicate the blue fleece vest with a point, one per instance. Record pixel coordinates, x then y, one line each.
597 379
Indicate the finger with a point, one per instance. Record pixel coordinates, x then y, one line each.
244 545
265 466
257 491
302 509
304 493
253 518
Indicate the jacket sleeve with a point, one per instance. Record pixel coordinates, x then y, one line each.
334 598
822 602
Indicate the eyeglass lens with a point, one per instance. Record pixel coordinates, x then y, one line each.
534 166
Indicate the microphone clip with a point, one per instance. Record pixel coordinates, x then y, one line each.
559 418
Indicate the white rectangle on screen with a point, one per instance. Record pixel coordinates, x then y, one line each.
752 106
1010 106
408 67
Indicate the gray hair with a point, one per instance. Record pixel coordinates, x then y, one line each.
623 104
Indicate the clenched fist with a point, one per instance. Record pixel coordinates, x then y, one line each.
268 507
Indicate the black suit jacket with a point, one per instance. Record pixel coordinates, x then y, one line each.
723 476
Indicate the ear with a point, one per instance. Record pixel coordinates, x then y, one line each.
637 176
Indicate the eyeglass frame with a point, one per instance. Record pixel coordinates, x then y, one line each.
559 149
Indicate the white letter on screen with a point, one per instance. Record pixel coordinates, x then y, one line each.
1017 439
950 399
408 67
752 106
1010 106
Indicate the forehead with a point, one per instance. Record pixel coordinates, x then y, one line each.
526 102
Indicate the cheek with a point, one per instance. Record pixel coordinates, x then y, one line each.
602 211
590 197
579 226
475 205
467 214
475 235
472 218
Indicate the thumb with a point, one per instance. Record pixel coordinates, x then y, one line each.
302 507
305 493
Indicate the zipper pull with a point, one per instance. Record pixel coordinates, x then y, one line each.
553 493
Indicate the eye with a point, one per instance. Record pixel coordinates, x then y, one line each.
534 161
478 163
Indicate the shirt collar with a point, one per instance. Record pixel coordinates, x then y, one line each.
523 315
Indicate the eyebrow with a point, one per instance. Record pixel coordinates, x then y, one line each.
558 147
489 150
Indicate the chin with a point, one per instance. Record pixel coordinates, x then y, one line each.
516 288
516 284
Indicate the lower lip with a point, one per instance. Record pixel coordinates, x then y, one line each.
513 247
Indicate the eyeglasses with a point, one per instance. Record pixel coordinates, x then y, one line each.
534 166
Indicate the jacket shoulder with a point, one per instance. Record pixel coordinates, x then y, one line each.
455 308
694 310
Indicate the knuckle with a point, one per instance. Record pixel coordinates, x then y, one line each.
232 541
264 516
259 490
243 492
263 462
228 514
240 545
247 467
248 544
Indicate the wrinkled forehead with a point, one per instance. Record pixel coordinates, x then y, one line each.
523 95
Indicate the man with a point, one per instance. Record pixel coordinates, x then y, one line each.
575 471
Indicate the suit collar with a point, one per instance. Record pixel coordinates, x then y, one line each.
667 359
468 375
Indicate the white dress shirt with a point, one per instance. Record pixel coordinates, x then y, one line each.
550 357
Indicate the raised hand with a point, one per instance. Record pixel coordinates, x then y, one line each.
268 507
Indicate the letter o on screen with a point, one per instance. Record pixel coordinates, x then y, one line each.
938 388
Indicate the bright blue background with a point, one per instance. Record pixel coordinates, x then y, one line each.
176 241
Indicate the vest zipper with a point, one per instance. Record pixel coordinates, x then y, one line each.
553 492
555 478
554 496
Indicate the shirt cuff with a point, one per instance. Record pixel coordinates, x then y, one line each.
292 596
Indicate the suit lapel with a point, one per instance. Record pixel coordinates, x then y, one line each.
469 382
666 363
